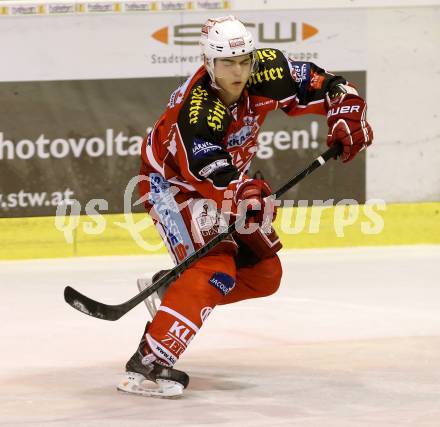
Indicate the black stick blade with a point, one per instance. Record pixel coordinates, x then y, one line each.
90 307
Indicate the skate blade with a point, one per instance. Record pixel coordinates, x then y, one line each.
134 383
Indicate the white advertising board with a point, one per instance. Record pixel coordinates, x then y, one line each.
101 46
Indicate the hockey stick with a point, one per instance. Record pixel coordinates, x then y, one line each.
113 312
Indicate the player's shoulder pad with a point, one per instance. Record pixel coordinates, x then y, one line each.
203 113
273 77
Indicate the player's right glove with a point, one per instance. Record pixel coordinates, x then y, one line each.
252 197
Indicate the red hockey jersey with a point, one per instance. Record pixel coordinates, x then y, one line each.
202 146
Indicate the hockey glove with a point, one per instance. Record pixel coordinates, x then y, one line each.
347 123
252 197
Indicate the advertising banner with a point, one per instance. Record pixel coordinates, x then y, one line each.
124 45
71 127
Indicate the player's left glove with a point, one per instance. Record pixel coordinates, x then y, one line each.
348 124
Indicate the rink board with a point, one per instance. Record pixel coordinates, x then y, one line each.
39 237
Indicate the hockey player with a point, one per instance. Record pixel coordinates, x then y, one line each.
194 165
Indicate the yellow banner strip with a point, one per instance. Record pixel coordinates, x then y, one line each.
312 227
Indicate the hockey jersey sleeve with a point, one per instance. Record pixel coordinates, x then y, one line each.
312 85
298 87
202 158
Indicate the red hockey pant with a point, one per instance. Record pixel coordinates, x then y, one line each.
211 281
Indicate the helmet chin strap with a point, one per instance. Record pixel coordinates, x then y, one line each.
210 68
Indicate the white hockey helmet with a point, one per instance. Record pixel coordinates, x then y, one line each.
226 37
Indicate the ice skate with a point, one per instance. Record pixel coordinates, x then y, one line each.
145 377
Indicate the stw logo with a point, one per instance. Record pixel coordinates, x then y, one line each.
189 34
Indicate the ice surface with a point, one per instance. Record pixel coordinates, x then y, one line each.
351 339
